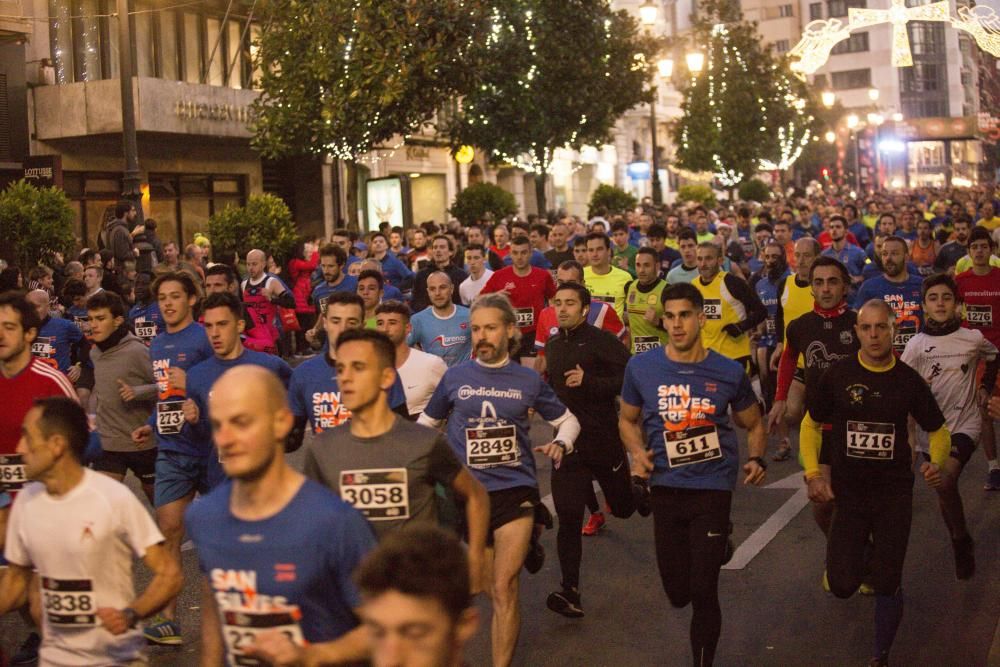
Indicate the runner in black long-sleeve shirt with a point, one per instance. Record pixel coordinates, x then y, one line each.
586 368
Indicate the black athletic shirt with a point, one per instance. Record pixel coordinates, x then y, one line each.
868 410
822 341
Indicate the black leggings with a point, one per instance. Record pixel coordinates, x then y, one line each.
691 527
572 485
884 516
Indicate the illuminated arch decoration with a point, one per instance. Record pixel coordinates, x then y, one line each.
819 37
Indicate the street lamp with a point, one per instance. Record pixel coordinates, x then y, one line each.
831 136
695 61
828 97
897 117
648 13
665 67
873 94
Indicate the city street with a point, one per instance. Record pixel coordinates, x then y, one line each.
774 610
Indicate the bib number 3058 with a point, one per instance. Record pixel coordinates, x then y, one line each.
695 445
69 602
870 440
241 629
381 495
492 446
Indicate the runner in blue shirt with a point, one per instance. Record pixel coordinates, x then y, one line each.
486 402
846 253
144 318
180 468
674 422
442 328
765 283
57 340
313 394
276 550
900 289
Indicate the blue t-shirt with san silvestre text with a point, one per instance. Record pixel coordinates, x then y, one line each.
450 339
489 419
687 405
182 349
314 393
55 341
323 291
906 302
300 560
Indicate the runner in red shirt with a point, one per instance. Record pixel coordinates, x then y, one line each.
979 290
528 288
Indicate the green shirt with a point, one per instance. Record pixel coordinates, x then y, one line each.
625 259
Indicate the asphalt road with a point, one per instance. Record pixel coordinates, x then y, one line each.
774 610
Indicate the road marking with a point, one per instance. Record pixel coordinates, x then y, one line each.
770 528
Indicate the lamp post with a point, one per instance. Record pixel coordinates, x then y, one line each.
131 183
852 125
648 13
875 120
829 98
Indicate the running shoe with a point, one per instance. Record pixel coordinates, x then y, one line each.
965 558
784 451
162 630
866 589
535 559
825 582
594 524
27 652
640 492
992 480
565 602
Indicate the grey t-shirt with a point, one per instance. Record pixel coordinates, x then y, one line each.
389 478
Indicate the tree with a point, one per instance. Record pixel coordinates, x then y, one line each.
340 77
698 193
754 190
480 200
35 224
555 73
264 223
744 112
611 200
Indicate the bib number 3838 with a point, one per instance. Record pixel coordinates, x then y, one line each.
242 628
381 495
12 475
694 445
69 603
491 446
870 440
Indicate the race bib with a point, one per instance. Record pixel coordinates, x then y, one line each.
381 495
980 317
491 446
870 440
240 630
43 349
713 309
525 317
903 334
645 343
322 305
145 330
770 327
694 445
82 323
169 417
69 603
12 475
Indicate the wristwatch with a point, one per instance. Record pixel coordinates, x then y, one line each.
131 616
561 444
759 461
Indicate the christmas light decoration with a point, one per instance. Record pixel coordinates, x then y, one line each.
818 37
983 24
899 15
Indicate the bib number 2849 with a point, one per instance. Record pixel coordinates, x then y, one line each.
491 446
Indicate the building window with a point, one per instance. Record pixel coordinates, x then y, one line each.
819 81
921 108
921 78
181 204
785 11
781 46
93 196
926 38
815 11
856 43
854 78
836 8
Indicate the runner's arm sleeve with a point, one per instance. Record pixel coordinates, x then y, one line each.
810 442
756 312
940 445
567 429
284 300
786 370
425 420
779 315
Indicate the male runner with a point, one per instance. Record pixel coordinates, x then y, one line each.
643 305
479 274
441 260
897 287
276 550
385 466
126 391
528 288
850 255
442 329
313 393
731 307
144 318
181 467
979 290
765 339
370 289
867 400
331 265
674 422
263 294
947 356
415 602
586 366
606 282
58 339
487 403
686 270
419 371
75 535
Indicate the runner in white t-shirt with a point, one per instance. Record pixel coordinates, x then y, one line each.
81 532
418 371
475 260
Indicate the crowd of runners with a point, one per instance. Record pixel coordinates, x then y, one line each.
855 337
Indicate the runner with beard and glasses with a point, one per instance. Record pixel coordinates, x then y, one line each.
765 339
948 357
